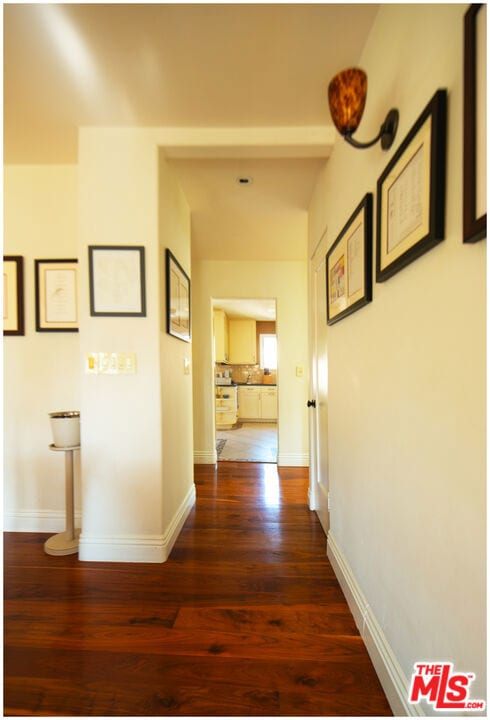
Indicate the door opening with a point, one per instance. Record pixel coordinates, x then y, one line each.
319 480
246 378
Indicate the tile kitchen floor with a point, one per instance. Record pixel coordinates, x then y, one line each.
250 442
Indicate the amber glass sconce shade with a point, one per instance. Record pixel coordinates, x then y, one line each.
347 98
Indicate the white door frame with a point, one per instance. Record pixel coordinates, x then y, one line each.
318 488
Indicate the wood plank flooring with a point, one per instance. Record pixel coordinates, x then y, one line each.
246 618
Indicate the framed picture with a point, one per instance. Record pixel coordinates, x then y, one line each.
411 193
178 299
13 295
117 281
349 264
474 125
56 295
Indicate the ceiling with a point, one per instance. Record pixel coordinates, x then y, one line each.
263 309
253 74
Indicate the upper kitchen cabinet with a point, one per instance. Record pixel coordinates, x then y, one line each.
242 342
220 321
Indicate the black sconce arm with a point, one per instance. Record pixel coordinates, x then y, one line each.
386 133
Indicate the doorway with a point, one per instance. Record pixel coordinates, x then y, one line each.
246 378
318 403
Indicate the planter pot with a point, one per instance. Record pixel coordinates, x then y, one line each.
65 427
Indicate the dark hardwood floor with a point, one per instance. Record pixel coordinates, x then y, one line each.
245 618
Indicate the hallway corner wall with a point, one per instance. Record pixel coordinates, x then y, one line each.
174 232
137 486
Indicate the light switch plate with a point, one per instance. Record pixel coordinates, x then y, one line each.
110 363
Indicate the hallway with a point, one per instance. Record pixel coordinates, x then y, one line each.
245 618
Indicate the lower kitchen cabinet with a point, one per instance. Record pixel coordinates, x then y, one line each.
249 402
257 403
268 403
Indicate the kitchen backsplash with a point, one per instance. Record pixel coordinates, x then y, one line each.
246 373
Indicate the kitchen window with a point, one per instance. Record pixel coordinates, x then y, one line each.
268 351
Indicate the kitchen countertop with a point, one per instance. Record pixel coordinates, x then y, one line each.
249 384
256 384
234 384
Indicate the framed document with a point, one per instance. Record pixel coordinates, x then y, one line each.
117 281
178 299
13 295
349 264
56 295
475 125
411 193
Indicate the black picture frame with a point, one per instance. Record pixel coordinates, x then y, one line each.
56 292
13 295
349 264
178 299
411 193
474 228
117 280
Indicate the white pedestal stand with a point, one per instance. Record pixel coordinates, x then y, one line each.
65 543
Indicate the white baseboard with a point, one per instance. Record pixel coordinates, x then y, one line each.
137 548
42 521
210 457
390 674
293 459
205 457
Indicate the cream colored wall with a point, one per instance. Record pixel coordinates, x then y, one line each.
41 370
121 416
407 377
136 429
176 385
287 283
136 483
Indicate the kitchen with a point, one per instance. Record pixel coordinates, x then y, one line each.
245 353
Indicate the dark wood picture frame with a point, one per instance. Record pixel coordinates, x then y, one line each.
117 280
474 228
416 172
13 295
349 265
178 298
56 288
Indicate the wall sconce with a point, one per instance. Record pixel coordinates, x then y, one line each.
347 97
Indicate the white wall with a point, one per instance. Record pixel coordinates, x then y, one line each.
407 378
286 282
41 370
175 354
137 487
136 474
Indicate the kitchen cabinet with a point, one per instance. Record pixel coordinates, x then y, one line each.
242 335
268 403
220 322
257 402
249 402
